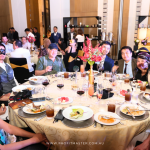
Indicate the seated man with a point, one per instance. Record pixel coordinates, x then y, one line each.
107 63
20 52
24 42
8 46
127 64
50 64
6 72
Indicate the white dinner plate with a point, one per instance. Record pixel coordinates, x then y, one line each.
19 88
131 106
37 79
108 114
25 108
88 113
70 100
147 97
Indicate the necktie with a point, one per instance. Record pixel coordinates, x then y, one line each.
125 69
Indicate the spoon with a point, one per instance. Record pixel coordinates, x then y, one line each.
105 117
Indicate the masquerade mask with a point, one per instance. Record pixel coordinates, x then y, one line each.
2 51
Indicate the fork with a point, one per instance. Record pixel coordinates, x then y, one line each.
141 106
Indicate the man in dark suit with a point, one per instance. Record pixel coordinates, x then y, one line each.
107 62
71 34
127 64
55 36
15 34
37 37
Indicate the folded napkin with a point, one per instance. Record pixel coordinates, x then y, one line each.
59 115
105 94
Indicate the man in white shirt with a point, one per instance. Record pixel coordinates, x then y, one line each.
8 46
21 52
24 42
29 34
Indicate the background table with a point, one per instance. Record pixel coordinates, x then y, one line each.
115 137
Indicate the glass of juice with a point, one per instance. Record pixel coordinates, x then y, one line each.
50 111
128 96
82 68
111 107
66 75
143 86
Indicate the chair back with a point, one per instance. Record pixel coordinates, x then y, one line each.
20 67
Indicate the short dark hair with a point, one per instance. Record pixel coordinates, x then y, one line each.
56 27
80 31
27 29
5 35
18 43
2 45
61 39
12 28
105 42
71 26
35 28
127 47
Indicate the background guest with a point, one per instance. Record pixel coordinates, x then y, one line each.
127 64
37 37
50 64
80 39
20 52
71 54
6 72
55 36
24 42
31 30
10 34
142 66
71 34
29 34
61 45
15 34
8 46
107 63
44 51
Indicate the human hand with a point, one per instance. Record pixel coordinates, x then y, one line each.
48 69
2 110
38 138
114 68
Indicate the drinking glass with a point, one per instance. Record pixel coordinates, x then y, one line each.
50 111
128 96
126 80
85 87
82 68
99 94
143 86
45 83
108 87
111 107
80 92
60 84
90 93
66 75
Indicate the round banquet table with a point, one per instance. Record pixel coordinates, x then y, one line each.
116 137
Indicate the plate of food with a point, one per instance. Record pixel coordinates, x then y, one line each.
146 95
139 82
134 109
34 108
64 100
106 118
20 88
122 93
37 79
78 113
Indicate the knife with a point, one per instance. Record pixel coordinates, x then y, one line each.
38 119
130 113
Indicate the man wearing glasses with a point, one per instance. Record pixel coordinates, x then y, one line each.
6 72
127 64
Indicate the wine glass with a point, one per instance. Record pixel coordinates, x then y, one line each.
85 87
91 92
100 68
99 94
60 84
45 83
80 92
108 87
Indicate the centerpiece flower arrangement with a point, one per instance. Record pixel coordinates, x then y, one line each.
31 40
91 56
136 41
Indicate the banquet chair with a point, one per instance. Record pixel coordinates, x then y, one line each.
20 67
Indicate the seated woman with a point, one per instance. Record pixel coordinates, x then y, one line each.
80 39
43 51
142 66
71 54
